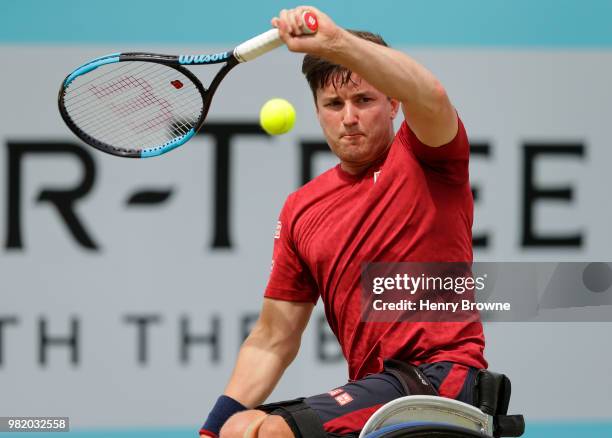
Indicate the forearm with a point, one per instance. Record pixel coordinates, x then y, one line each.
392 72
427 108
263 357
261 362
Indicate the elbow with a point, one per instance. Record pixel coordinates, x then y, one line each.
438 101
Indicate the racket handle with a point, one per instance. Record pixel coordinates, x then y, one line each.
263 43
258 45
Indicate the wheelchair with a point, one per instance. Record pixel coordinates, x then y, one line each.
424 416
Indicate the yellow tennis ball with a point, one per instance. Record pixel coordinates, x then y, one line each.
277 116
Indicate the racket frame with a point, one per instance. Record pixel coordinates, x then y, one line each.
172 61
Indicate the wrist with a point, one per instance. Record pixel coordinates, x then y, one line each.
224 408
336 45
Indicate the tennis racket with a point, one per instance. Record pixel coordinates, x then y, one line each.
140 105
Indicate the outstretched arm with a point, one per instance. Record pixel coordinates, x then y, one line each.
427 108
265 354
269 349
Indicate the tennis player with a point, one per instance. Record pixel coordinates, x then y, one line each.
393 197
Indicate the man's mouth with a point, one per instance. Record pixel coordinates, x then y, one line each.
352 135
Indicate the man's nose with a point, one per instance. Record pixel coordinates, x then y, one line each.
350 115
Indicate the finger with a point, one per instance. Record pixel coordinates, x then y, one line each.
297 22
280 21
289 21
283 14
282 31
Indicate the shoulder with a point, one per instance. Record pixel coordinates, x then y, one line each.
448 162
455 148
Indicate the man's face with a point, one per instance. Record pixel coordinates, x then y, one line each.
357 121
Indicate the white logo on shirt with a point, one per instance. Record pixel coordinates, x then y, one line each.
376 175
278 230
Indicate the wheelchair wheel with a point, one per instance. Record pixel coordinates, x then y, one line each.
425 430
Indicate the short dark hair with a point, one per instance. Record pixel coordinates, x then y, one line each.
320 73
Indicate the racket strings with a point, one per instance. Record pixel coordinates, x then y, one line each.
180 126
176 128
134 105
142 95
121 67
137 104
81 95
144 102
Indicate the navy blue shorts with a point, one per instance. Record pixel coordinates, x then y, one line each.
345 410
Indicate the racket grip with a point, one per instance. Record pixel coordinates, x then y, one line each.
258 45
270 40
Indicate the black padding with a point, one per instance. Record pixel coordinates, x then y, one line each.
301 419
413 381
492 396
493 392
503 403
509 425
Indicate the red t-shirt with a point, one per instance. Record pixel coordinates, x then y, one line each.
414 206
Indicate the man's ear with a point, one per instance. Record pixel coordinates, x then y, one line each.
395 105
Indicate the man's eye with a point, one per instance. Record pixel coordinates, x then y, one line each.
333 103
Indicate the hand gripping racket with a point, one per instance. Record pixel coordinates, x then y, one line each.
140 105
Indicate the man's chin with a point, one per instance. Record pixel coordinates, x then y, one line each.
355 159
352 155
354 146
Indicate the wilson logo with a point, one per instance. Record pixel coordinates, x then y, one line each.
203 59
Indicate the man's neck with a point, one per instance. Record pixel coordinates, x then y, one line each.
359 168
354 169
